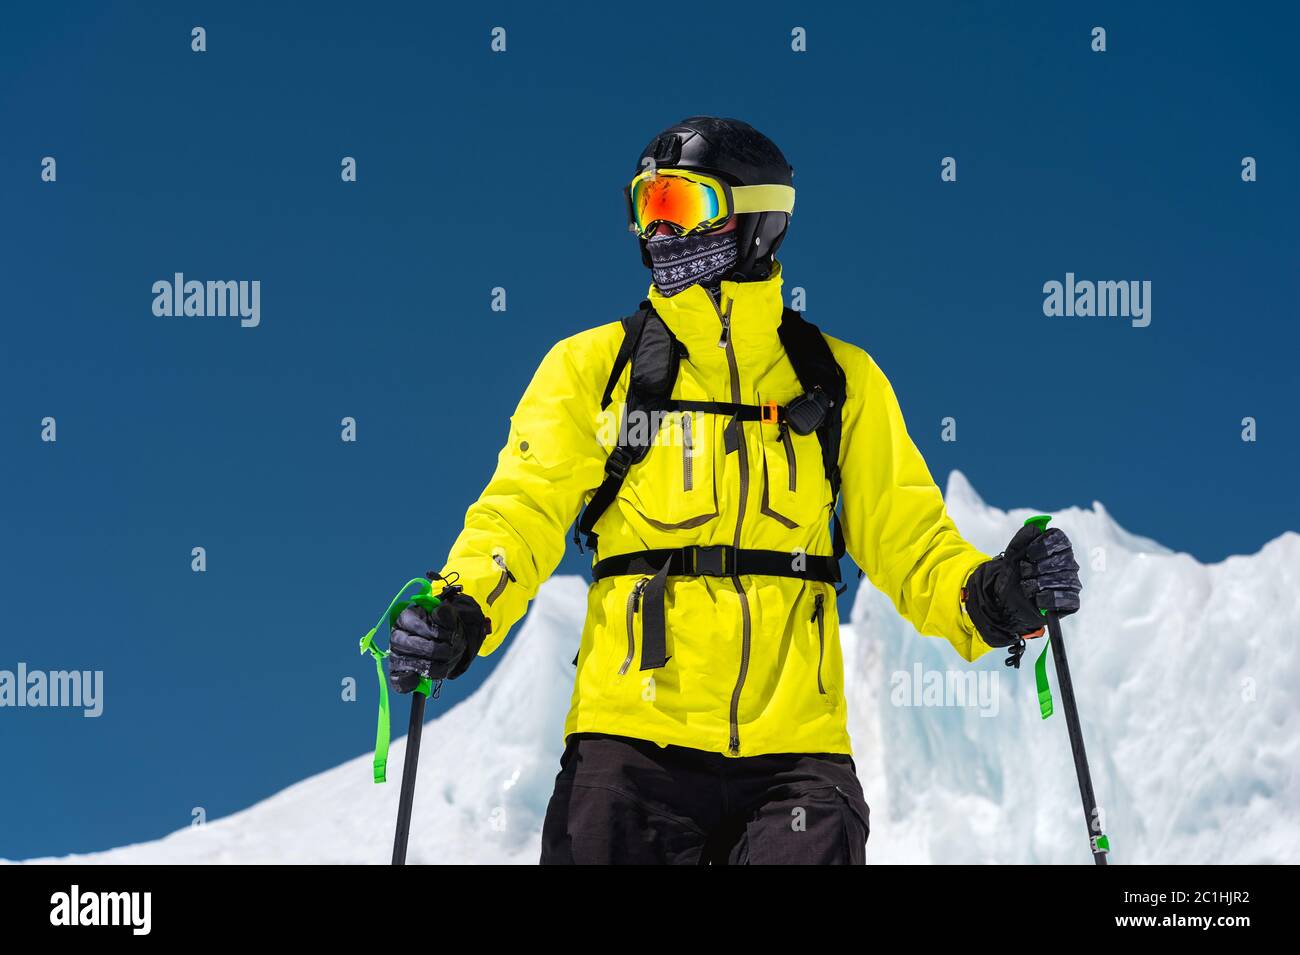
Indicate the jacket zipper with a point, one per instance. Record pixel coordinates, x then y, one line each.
819 615
688 478
789 455
633 608
500 561
724 316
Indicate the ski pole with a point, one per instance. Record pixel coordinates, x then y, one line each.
413 731
1097 840
422 597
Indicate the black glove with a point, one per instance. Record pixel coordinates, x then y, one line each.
1005 595
438 645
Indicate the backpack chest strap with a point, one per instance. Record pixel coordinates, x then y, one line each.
769 412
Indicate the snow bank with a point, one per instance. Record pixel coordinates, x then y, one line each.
1185 673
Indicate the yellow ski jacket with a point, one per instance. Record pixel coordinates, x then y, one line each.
754 663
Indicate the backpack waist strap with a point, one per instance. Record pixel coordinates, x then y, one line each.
718 560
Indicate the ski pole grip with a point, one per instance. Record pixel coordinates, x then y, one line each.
1040 521
423 597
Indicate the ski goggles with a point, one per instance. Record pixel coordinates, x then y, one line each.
689 202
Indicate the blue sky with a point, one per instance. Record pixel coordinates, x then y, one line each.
479 170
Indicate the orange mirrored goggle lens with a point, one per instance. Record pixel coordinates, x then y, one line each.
682 203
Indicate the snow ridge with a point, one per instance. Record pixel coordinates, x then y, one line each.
1185 675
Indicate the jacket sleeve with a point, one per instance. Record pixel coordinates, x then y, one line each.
516 532
896 527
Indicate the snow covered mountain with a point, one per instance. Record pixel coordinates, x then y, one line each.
1186 676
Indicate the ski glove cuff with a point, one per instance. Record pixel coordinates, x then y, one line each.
437 645
1005 596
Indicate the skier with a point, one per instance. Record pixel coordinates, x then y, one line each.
702 445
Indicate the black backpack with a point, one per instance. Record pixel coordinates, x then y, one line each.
655 354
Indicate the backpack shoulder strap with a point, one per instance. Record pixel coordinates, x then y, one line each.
654 353
632 327
817 369
813 362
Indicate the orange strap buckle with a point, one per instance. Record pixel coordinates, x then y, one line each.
771 414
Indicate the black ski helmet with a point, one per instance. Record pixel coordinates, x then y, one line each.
740 155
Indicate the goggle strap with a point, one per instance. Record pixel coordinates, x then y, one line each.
767 198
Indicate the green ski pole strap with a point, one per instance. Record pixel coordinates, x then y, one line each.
1040 668
1040 675
383 731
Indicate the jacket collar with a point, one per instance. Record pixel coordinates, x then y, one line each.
695 319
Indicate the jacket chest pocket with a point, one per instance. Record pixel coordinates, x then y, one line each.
795 490
672 486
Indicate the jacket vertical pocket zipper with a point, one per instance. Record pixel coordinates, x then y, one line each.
633 608
819 617
789 456
500 561
688 452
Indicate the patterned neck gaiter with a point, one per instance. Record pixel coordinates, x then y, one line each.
681 261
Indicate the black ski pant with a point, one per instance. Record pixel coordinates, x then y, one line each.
621 800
